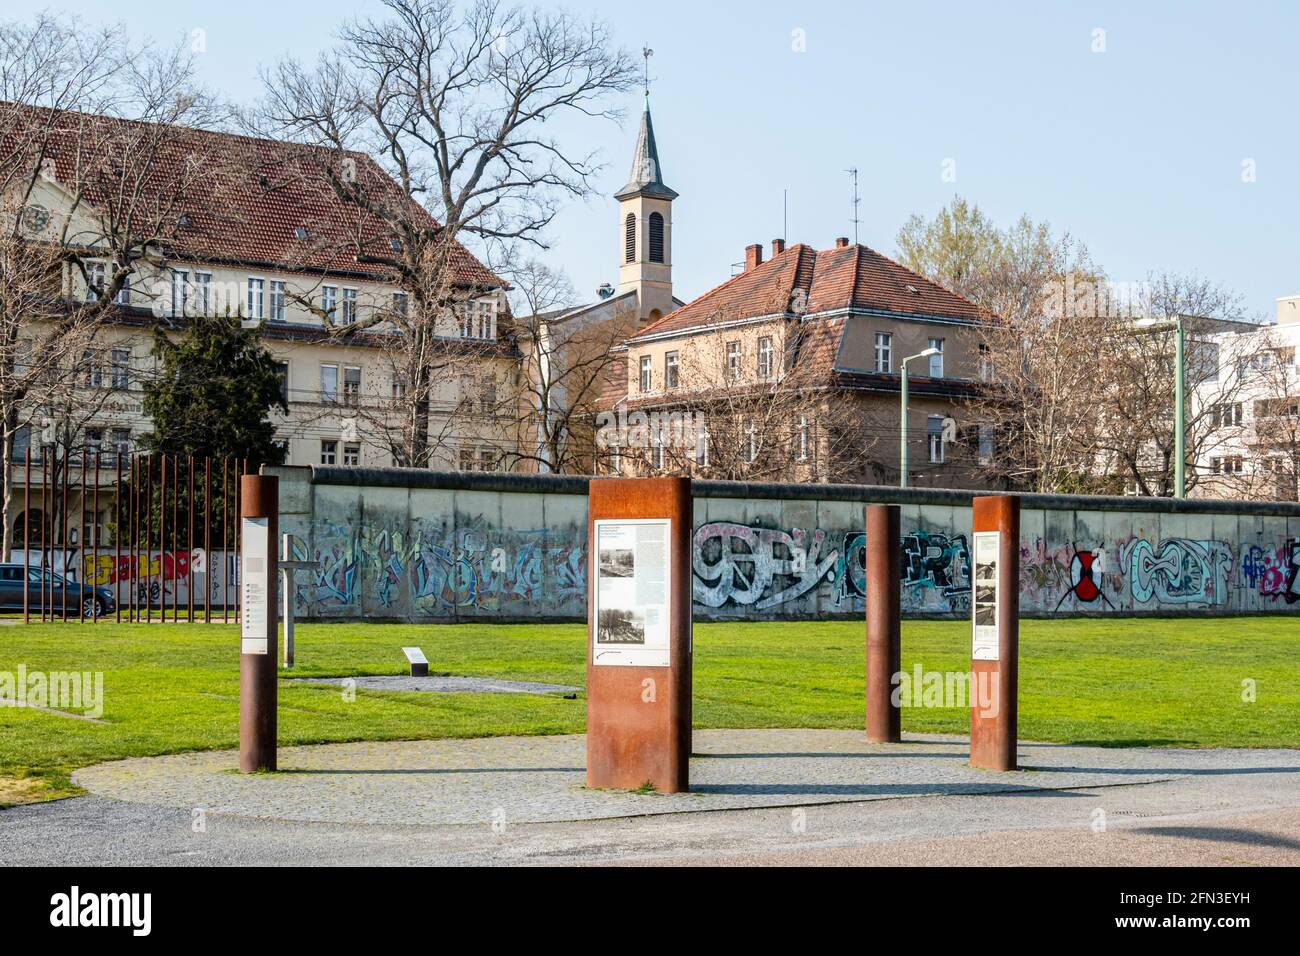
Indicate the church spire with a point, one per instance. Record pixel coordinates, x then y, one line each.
646 178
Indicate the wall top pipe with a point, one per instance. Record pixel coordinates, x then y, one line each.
873 494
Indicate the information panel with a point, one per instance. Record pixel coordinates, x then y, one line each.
633 568
984 644
255 586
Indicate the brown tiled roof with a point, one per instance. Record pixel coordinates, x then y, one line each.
827 280
248 213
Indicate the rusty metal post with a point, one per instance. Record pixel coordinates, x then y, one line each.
207 540
81 522
117 539
639 693
133 594
189 548
63 536
148 538
259 499
27 531
176 514
225 543
995 623
884 649
94 527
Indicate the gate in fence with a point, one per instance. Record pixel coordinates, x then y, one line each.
137 537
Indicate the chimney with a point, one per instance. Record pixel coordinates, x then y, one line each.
842 242
778 247
753 256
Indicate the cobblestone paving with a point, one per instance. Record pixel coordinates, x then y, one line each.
541 779
445 685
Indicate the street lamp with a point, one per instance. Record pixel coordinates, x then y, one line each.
902 441
1180 425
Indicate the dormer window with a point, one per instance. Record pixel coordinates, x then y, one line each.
478 319
630 226
300 233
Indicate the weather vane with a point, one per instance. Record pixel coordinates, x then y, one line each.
646 52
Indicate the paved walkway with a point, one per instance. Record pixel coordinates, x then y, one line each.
777 796
542 779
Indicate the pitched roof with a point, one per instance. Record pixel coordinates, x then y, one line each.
646 177
250 209
803 280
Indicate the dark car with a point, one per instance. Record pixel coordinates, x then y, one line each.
81 599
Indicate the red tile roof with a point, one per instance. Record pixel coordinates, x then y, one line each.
803 279
248 211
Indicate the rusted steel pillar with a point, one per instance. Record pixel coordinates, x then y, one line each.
639 633
884 653
995 623
259 498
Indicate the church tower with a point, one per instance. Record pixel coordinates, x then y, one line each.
645 235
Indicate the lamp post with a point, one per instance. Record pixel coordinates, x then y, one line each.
1180 386
902 431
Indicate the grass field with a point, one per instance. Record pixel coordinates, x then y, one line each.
168 688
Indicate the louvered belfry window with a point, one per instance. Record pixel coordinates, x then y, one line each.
631 238
656 237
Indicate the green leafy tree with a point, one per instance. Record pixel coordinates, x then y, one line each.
214 392
211 399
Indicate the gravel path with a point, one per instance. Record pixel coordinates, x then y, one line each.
443 685
762 796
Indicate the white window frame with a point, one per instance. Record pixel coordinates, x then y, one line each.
884 354
936 360
203 292
277 301
329 451
764 358
348 306
672 369
255 300
329 395
646 379
329 302
180 291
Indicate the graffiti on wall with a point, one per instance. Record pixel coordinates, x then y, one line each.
1182 571
443 570
935 571
758 567
1273 574
1086 582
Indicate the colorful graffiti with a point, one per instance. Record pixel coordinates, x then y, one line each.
1086 579
758 567
442 571
1273 574
1180 571
935 569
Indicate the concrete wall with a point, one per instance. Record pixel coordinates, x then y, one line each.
425 546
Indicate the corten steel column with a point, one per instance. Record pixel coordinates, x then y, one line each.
259 497
994 663
639 717
884 654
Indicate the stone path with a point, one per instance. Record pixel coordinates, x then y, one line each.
444 685
541 779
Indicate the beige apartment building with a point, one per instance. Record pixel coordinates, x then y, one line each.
279 250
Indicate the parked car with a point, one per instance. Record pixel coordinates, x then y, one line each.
81 598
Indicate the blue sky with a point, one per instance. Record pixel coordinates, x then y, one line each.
1137 150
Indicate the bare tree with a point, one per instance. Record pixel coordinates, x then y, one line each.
97 177
456 108
568 360
1135 394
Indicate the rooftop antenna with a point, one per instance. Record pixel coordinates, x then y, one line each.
785 214
646 53
853 171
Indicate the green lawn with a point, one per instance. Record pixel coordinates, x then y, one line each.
1117 682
